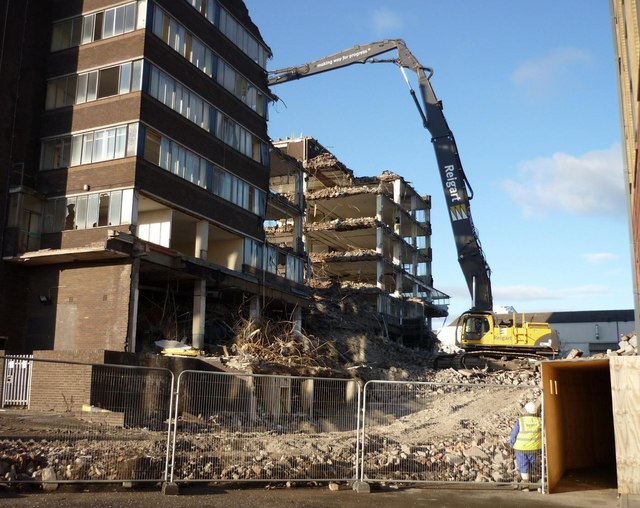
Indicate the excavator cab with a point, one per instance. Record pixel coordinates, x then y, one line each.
475 327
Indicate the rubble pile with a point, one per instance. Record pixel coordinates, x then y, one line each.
457 436
627 346
344 224
276 347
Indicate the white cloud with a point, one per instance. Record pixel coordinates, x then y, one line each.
539 76
385 21
600 257
589 184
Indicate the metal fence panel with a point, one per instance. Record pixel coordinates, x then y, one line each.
433 432
241 427
89 423
17 380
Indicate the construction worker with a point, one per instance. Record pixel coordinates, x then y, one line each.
526 440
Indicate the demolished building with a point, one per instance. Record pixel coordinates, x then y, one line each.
371 233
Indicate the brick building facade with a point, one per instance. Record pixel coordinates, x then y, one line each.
135 170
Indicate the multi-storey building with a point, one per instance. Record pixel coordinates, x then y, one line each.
368 233
134 174
626 32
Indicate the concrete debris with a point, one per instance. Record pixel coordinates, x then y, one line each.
344 224
336 192
355 254
627 346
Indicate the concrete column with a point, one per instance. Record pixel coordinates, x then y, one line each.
199 311
297 320
202 239
255 309
298 241
133 306
200 287
379 264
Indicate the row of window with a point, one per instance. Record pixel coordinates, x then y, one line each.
89 86
204 58
95 146
292 268
121 141
96 26
186 164
227 24
88 211
190 105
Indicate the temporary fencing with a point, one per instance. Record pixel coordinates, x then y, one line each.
93 422
434 432
237 427
89 423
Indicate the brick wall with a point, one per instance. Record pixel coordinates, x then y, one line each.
97 297
59 386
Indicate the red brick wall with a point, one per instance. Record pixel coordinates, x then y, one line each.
62 386
89 306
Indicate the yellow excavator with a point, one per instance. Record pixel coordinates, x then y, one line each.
479 330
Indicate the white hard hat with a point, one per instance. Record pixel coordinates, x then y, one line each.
530 408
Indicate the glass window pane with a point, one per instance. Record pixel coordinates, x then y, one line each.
127 206
110 144
76 31
92 86
119 21
132 140
97 26
60 214
130 17
109 17
99 146
70 214
76 150
81 212
136 78
92 210
61 36
115 204
125 78
121 142
108 82
103 209
87 147
81 88
152 146
87 29
70 96
50 101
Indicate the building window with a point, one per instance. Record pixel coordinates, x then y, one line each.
88 211
96 26
95 146
204 58
189 166
190 105
232 29
89 86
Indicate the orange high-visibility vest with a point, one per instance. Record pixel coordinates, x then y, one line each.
530 435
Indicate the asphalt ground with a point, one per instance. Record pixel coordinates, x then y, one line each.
257 495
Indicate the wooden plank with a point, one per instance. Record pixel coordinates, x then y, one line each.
625 392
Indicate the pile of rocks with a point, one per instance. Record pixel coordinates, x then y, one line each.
627 346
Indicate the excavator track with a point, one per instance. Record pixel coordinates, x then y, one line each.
488 359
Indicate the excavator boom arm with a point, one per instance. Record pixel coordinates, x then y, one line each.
457 190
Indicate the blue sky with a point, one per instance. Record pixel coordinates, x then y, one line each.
529 91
